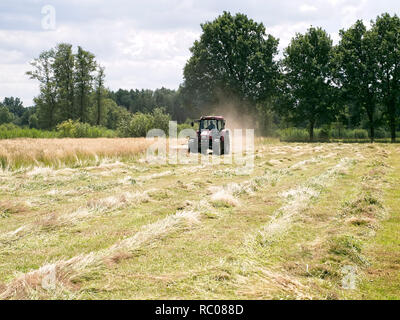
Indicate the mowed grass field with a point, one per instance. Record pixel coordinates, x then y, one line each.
92 219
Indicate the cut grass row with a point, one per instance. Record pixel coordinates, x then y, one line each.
207 260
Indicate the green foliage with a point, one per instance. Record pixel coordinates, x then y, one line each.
233 65
66 85
85 66
219 67
384 35
356 70
76 129
11 131
307 78
14 105
140 123
5 115
183 126
293 135
145 101
116 115
323 134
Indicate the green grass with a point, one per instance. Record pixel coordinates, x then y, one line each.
352 220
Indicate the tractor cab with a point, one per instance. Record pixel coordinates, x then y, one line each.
210 135
211 123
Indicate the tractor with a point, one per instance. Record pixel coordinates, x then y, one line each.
211 135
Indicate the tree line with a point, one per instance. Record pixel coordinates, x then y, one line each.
235 63
354 82
71 86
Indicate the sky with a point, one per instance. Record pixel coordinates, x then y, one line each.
145 44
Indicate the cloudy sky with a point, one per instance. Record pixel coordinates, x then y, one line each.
145 44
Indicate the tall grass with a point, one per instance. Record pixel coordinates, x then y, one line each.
55 153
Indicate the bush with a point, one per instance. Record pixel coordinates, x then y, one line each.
360 134
5 115
161 120
381 133
294 135
76 129
325 133
140 123
11 131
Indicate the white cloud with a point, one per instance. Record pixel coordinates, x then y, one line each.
308 8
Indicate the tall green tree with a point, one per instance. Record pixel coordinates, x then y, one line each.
100 112
14 105
385 34
307 78
85 66
47 100
63 68
356 71
5 115
234 58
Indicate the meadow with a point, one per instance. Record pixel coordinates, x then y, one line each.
93 219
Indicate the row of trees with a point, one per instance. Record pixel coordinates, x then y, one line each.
145 101
314 83
71 86
235 63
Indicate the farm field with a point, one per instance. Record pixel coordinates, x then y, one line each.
311 221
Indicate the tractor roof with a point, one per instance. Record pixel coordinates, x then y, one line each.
212 118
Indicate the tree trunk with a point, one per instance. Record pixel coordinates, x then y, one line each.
370 113
372 133
311 130
392 128
392 119
98 109
82 111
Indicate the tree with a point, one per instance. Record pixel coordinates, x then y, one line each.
63 68
356 70
385 35
83 77
99 94
307 78
5 115
44 73
66 85
14 105
116 115
233 59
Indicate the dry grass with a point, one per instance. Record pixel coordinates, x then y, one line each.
17 153
114 228
58 276
296 201
8 208
92 208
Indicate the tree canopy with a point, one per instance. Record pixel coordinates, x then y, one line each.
233 58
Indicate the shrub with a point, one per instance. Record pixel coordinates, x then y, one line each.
140 123
293 135
325 133
76 129
11 131
360 134
5 115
